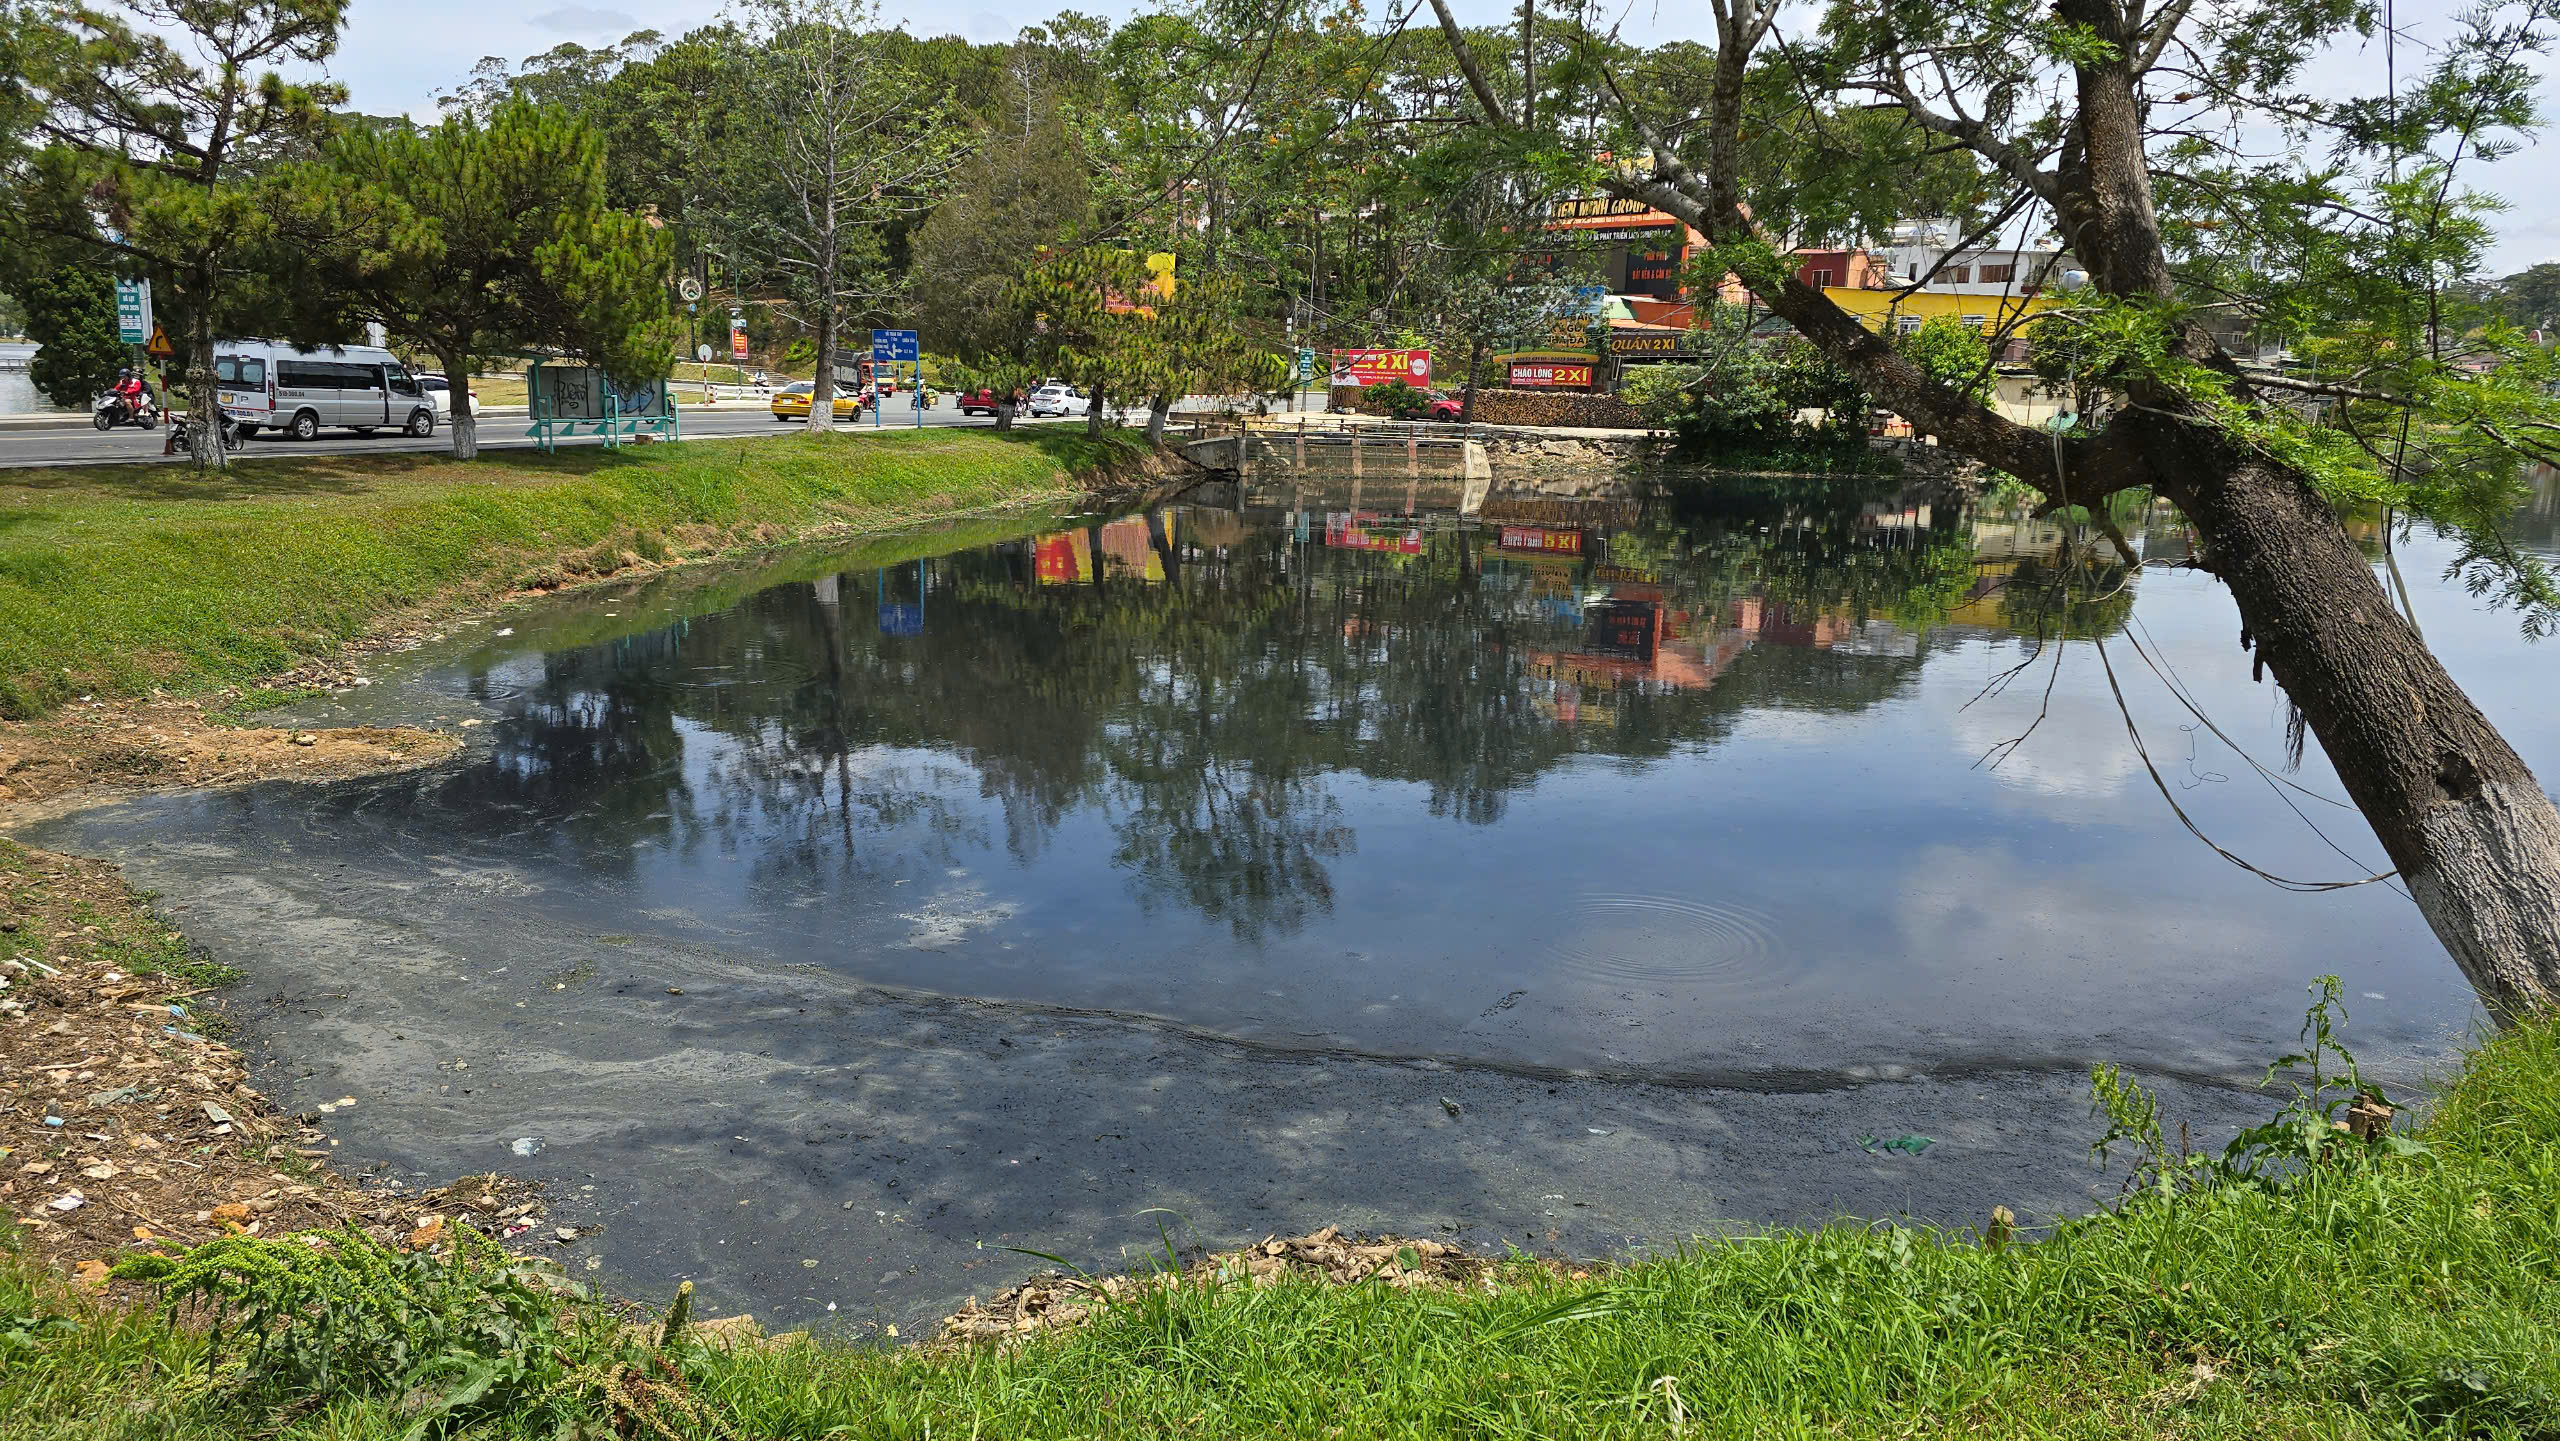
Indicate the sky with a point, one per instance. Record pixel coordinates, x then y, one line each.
397 54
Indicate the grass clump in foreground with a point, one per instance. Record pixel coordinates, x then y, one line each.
2314 1282
117 579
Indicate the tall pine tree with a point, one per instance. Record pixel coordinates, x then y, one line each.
476 238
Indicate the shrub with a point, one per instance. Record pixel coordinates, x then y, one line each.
471 1332
1399 398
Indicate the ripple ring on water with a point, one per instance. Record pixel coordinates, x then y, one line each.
1663 938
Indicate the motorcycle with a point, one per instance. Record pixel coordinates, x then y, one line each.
182 435
113 410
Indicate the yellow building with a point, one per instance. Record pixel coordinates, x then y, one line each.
1900 310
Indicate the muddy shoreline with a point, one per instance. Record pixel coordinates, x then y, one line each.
794 1142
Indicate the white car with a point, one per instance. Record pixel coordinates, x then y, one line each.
440 391
1057 400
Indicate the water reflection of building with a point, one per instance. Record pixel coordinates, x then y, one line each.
1129 551
1632 640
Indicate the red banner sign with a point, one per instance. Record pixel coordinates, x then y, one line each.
1551 375
1359 530
1377 367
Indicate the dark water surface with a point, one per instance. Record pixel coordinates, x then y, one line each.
1193 858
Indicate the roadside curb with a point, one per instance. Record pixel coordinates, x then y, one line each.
79 420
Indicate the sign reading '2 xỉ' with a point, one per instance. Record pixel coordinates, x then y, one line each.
1551 374
1377 367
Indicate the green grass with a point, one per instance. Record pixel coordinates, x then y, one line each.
2377 1294
114 580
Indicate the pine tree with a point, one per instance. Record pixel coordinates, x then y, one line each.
154 120
477 238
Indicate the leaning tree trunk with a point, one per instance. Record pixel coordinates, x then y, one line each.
457 389
2471 831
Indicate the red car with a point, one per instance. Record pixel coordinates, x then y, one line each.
977 402
1443 407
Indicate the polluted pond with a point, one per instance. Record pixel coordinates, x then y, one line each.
1580 871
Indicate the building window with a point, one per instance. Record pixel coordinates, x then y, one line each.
1958 274
2000 274
1821 279
1976 322
1906 325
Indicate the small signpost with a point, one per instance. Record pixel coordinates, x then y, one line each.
737 336
895 348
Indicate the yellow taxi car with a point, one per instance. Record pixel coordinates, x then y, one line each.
791 402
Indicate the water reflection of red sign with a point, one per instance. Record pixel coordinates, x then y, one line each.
1623 629
1541 539
1377 367
1359 530
1059 559
1551 375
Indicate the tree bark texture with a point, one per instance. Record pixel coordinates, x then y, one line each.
457 382
204 394
822 392
2469 828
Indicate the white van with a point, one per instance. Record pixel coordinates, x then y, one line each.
270 386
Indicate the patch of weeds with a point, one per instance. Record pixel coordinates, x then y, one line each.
167 953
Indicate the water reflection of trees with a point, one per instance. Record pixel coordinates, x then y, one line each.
1201 683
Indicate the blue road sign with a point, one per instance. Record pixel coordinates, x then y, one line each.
894 345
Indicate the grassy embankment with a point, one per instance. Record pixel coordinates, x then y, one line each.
118 579
2382 1291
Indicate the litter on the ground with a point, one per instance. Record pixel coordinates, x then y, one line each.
1908 1145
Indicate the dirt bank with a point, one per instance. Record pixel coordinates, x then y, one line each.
90 751
126 1124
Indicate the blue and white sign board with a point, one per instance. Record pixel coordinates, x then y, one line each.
1592 299
133 311
894 345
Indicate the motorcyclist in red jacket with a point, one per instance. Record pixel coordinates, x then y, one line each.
128 393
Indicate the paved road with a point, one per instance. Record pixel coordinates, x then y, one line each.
78 443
